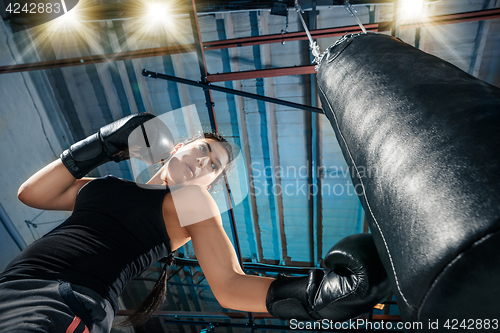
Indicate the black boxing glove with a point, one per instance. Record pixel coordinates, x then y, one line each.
111 143
353 282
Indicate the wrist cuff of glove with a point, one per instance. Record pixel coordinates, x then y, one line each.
287 299
84 156
71 165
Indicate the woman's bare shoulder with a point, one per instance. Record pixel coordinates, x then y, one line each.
191 204
196 191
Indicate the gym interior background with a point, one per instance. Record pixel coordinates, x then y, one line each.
61 81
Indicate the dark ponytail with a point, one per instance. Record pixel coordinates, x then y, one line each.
153 301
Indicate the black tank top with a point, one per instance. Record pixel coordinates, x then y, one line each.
116 231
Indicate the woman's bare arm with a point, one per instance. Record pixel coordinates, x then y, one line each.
232 288
53 187
215 253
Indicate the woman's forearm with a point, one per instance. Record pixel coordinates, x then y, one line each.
245 293
53 187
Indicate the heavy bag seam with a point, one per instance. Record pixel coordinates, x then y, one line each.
366 199
451 263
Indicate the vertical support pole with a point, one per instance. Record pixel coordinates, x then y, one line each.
479 43
309 130
213 120
230 212
11 229
396 18
121 69
313 165
272 134
244 140
193 15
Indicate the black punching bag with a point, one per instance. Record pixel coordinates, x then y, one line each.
424 137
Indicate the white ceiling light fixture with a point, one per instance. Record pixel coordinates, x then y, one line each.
414 9
157 15
157 11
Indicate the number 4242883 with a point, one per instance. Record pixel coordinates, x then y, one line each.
34 8
471 324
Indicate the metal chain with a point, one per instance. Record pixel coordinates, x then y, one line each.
312 44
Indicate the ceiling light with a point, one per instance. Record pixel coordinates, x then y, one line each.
157 12
69 21
68 16
412 9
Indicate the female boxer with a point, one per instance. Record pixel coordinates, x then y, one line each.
70 279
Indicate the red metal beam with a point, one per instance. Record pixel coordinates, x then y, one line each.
489 14
100 58
330 32
237 42
481 15
291 36
270 72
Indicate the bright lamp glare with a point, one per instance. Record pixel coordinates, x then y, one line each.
157 12
68 17
156 18
68 21
412 9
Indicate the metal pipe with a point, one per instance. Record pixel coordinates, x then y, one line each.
234 232
230 91
252 267
213 122
202 314
11 229
253 316
313 149
213 119
261 73
254 326
182 284
229 29
202 64
240 315
396 18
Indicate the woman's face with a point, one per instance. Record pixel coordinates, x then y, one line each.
196 163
